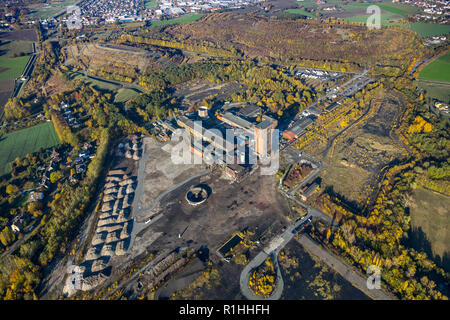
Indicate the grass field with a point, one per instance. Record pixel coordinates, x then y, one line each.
438 70
12 67
151 4
301 12
387 5
98 84
430 29
42 11
182 19
437 91
125 94
395 8
387 19
10 48
429 211
391 14
19 143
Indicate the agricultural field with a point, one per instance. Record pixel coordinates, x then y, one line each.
430 29
14 49
301 12
439 91
6 88
45 11
391 13
182 19
437 70
13 54
397 8
387 19
19 143
11 68
151 4
19 35
430 221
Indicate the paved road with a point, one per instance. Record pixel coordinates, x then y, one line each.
272 249
309 178
343 269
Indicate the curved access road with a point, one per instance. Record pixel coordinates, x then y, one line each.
272 249
245 277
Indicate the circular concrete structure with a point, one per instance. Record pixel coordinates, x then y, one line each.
197 195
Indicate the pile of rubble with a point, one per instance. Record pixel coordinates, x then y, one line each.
113 227
131 149
113 230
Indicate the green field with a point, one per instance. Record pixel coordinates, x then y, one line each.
387 19
438 70
301 12
395 8
98 84
14 67
398 8
436 91
125 94
17 47
19 143
430 29
182 19
391 14
45 12
429 211
151 4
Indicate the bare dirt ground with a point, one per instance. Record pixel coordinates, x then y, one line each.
27 34
176 224
6 89
360 153
310 278
57 85
230 206
124 59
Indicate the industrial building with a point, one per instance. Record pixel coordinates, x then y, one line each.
314 111
262 134
235 171
297 128
309 191
197 130
235 121
249 112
